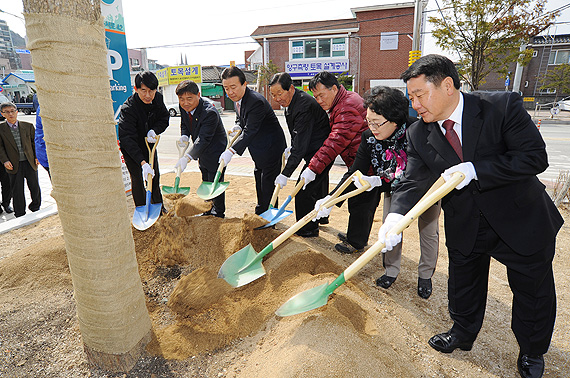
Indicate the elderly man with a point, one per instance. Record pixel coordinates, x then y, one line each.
309 127
18 155
262 134
500 210
347 118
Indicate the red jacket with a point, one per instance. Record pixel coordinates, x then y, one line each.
347 117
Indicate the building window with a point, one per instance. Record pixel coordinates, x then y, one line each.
321 48
534 53
559 57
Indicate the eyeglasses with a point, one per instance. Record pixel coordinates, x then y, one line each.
375 125
9 111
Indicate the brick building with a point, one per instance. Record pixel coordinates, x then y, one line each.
373 46
548 52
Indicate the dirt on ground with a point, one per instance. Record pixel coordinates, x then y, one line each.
203 327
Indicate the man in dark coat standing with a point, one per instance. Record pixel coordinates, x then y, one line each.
500 210
201 122
143 116
18 155
261 134
309 127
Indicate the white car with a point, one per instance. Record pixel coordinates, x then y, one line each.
564 104
174 109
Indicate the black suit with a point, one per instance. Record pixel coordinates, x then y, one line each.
505 214
210 139
263 136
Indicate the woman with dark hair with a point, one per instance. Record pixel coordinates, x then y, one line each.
382 156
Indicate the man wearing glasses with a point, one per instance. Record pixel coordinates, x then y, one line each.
18 155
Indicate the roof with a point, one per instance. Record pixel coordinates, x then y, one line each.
550 39
306 28
25 76
382 7
213 74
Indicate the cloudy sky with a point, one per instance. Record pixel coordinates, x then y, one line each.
219 31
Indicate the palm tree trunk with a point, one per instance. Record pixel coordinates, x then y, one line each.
66 38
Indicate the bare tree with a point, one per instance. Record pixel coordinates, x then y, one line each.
67 41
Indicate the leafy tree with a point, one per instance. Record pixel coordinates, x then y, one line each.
264 75
345 80
487 34
557 78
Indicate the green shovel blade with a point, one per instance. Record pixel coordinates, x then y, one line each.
309 299
209 190
244 266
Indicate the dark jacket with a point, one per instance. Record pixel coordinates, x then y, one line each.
262 134
507 151
207 132
135 120
9 150
347 117
309 127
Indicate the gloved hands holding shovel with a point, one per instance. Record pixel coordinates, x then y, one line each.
233 132
281 180
309 176
183 162
183 141
287 152
390 241
373 180
146 170
226 156
151 136
466 168
322 212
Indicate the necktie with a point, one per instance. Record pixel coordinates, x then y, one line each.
452 137
238 108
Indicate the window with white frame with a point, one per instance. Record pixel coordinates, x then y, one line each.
559 57
318 48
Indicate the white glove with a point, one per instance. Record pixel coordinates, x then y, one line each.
281 180
183 162
146 170
151 136
183 141
309 176
391 240
466 168
233 132
226 156
373 180
287 153
322 212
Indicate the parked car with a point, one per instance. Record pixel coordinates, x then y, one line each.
174 109
564 104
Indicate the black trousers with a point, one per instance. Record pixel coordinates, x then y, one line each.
530 278
219 202
137 183
25 171
265 184
6 187
361 209
305 200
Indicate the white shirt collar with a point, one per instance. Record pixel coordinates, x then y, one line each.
456 116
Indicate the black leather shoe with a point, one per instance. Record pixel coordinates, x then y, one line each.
8 209
385 281
342 236
447 342
308 233
530 366
346 247
324 220
210 212
424 287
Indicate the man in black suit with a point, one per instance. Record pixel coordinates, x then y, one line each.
18 155
261 134
500 210
201 122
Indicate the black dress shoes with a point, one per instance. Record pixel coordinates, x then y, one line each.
8 209
308 233
324 220
447 342
530 366
424 287
385 281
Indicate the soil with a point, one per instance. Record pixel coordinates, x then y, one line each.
202 327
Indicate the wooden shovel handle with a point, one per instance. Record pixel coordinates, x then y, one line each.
151 160
277 187
234 138
425 203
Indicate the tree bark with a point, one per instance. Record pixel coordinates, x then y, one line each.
67 41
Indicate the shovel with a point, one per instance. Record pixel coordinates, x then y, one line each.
272 212
176 189
245 265
276 215
318 296
146 215
209 190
